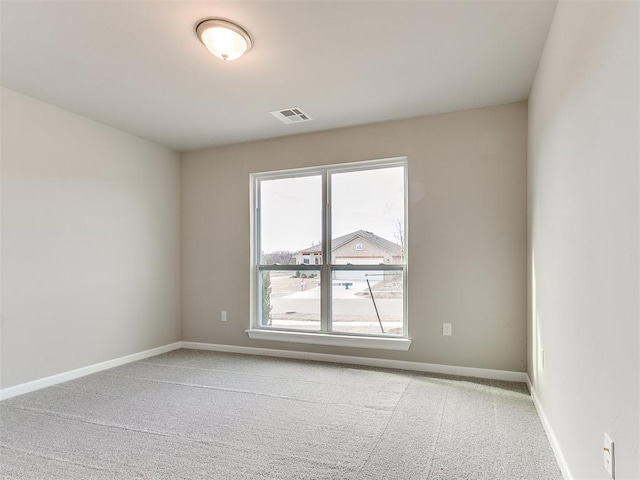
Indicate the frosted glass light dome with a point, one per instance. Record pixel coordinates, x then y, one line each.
224 39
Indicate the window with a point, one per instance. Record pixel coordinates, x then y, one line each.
342 228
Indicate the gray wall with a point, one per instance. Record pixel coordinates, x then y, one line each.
584 243
467 232
90 242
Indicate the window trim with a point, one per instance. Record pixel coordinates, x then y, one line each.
336 340
325 336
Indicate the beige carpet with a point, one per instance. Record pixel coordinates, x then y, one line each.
203 415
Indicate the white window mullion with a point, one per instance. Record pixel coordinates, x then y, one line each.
325 288
257 306
328 249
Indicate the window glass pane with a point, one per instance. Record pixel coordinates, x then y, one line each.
367 217
354 306
290 219
290 299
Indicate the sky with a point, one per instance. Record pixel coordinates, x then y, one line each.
291 209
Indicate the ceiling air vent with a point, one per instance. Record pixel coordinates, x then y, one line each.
291 115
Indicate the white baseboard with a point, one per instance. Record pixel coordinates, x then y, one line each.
81 372
366 361
555 444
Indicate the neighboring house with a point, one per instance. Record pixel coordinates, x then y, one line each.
309 256
357 248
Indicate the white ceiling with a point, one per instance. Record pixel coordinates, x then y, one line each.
138 66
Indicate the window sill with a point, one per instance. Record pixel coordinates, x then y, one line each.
380 343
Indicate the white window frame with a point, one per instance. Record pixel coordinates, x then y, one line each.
325 336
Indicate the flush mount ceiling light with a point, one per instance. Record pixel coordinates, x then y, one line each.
223 38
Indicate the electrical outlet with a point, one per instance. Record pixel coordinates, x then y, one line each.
223 316
446 329
609 458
